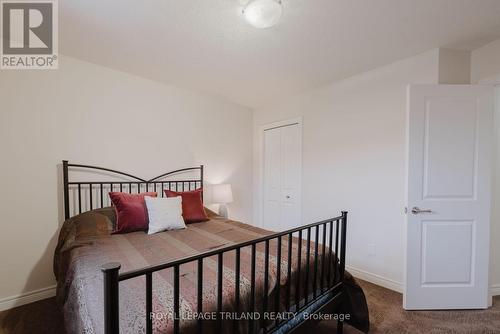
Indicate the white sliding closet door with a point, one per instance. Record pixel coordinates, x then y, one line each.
282 171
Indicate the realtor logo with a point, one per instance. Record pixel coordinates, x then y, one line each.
29 34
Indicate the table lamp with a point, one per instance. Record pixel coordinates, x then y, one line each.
222 195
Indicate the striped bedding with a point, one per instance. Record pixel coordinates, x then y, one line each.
85 244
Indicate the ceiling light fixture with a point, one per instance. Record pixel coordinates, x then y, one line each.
263 13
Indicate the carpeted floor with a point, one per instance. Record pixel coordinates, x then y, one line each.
36 318
386 316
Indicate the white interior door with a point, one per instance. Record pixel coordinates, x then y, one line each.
282 169
448 196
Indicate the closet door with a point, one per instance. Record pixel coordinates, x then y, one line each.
282 170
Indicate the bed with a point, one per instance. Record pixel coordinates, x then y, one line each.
219 276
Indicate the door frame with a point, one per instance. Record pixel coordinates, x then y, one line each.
494 289
268 126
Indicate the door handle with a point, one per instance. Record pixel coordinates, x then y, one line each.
416 210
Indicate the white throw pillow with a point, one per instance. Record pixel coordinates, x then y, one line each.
164 213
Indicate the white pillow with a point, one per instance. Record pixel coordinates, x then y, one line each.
164 213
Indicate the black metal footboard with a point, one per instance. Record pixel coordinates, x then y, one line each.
328 245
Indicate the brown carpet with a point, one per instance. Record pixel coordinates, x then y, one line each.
40 317
386 316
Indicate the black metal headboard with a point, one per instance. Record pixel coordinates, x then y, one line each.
81 196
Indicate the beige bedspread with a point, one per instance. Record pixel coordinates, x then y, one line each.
85 244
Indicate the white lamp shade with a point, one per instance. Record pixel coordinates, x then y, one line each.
222 193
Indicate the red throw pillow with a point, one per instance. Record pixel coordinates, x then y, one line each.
131 211
192 206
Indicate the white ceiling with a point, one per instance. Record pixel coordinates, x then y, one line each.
206 45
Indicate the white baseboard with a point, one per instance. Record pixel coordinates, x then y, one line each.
27 297
495 290
394 285
376 279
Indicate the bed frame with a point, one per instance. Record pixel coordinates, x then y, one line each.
325 299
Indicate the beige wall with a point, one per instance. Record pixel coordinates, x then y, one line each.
91 114
354 159
485 62
454 66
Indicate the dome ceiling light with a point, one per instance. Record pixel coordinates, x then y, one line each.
263 13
